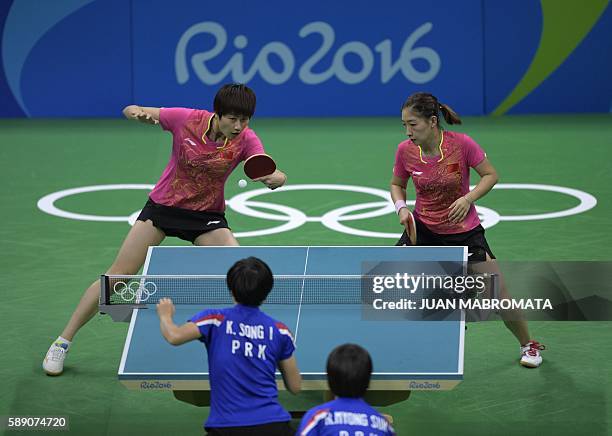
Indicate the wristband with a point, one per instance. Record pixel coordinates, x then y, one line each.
399 204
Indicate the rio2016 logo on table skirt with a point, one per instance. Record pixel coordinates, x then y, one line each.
335 219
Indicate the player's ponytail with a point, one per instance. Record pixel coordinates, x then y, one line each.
450 116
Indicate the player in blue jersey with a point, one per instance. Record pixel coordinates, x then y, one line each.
349 368
245 346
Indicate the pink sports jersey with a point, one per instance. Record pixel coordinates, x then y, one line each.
198 168
440 180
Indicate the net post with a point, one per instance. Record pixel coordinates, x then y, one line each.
104 298
104 289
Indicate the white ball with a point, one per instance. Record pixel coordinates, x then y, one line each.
242 183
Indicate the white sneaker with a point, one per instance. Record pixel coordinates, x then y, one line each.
530 354
54 360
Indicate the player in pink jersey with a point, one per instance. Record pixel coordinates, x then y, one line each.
188 200
439 162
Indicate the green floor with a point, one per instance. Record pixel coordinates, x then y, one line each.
47 262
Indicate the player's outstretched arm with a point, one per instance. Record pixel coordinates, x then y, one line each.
147 115
291 375
274 180
175 335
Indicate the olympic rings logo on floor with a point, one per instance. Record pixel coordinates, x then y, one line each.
135 291
335 219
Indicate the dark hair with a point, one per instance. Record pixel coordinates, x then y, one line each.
235 98
349 368
250 281
427 105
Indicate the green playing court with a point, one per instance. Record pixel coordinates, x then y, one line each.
548 164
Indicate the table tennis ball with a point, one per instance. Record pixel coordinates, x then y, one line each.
242 183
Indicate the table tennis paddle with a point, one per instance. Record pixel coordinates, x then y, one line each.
259 165
411 229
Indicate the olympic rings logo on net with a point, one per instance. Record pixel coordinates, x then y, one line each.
135 291
336 219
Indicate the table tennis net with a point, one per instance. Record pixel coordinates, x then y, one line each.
211 289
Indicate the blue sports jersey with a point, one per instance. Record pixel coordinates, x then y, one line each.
244 347
344 417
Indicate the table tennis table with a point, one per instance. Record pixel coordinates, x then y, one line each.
407 355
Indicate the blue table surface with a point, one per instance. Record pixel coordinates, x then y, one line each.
400 349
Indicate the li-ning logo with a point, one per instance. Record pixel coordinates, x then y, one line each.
310 71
